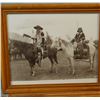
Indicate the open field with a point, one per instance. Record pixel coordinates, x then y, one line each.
20 70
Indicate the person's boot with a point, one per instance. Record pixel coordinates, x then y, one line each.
42 52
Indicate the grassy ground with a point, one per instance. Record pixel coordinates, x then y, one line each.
20 70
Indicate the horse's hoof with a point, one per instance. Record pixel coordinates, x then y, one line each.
73 73
56 72
90 70
51 71
33 75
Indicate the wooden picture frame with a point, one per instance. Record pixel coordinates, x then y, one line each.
83 89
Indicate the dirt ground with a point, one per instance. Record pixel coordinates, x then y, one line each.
20 70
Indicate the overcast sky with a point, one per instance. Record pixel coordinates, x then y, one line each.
63 25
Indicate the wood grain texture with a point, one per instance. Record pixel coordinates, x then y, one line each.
60 94
86 89
52 6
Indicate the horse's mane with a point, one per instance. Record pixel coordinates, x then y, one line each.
64 42
48 40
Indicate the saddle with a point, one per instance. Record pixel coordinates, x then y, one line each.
82 50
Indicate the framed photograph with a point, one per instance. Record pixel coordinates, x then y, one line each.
51 49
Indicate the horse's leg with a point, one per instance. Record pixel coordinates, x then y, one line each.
32 70
69 69
71 61
15 56
91 62
51 60
39 59
39 62
72 65
12 56
20 56
56 60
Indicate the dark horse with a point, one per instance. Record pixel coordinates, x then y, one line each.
14 52
30 52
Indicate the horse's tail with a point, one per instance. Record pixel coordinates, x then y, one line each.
92 50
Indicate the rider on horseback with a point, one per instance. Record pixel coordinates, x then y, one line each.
80 40
80 36
40 38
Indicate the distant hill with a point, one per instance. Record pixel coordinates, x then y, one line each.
15 36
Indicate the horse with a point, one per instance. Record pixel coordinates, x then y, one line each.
68 49
30 52
52 49
14 52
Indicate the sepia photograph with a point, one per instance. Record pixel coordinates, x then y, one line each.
53 48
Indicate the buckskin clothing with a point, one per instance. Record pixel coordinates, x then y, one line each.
40 39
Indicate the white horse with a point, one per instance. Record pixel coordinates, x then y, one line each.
92 51
68 49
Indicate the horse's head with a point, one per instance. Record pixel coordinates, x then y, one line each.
63 44
57 44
